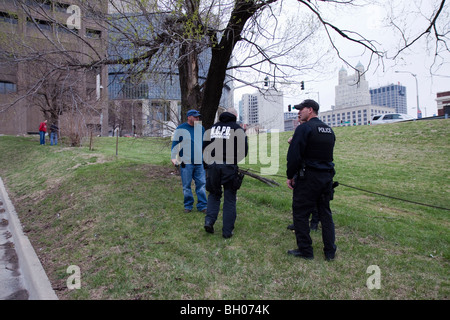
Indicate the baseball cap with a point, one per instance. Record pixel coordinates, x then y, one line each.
193 112
308 103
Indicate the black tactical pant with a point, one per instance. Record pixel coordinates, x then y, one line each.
219 175
312 192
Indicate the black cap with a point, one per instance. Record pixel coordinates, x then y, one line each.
308 103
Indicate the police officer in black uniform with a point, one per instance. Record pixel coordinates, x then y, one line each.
310 172
225 145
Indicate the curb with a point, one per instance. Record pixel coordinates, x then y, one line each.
36 280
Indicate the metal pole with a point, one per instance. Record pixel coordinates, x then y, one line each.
417 93
117 141
417 88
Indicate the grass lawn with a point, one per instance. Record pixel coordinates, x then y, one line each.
120 219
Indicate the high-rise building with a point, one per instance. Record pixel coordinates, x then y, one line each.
152 105
353 103
393 95
263 110
352 90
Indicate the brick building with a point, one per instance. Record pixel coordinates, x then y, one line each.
42 45
443 103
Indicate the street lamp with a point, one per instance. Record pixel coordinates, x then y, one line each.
417 88
318 95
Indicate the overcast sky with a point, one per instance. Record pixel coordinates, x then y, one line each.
369 21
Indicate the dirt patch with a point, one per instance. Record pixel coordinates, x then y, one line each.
156 172
90 159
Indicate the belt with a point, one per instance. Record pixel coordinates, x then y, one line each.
320 170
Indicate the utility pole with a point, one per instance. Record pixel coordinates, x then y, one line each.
417 88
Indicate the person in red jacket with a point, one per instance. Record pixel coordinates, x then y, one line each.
42 131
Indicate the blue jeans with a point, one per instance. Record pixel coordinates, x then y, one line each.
42 137
196 172
53 138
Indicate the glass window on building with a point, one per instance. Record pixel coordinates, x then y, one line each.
93 34
44 4
43 25
160 111
7 87
61 7
8 17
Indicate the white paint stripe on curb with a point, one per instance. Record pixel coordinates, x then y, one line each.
36 280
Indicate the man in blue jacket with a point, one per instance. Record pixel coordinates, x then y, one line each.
225 145
187 145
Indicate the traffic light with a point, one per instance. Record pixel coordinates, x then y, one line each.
289 108
266 81
302 85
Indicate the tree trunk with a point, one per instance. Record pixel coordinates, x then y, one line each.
188 73
221 54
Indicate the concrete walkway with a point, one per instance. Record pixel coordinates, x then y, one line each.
22 276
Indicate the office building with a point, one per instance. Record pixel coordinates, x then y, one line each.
352 101
263 110
36 38
352 116
290 121
393 95
352 90
151 106
443 103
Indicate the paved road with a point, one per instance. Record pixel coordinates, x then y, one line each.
22 276
11 279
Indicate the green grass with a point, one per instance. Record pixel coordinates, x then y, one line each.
120 219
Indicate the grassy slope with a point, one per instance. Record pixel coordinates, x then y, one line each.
121 220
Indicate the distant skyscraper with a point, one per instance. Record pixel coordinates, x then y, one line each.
393 95
352 90
263 110
353 103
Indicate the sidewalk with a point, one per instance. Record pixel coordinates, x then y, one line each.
22 276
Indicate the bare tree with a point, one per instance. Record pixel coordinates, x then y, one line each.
166 37
435 32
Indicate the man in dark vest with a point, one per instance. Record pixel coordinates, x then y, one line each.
310 172
225 145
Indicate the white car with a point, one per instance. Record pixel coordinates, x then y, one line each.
390 117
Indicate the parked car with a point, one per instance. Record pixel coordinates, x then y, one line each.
390 117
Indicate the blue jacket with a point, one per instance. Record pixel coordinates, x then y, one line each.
187 142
